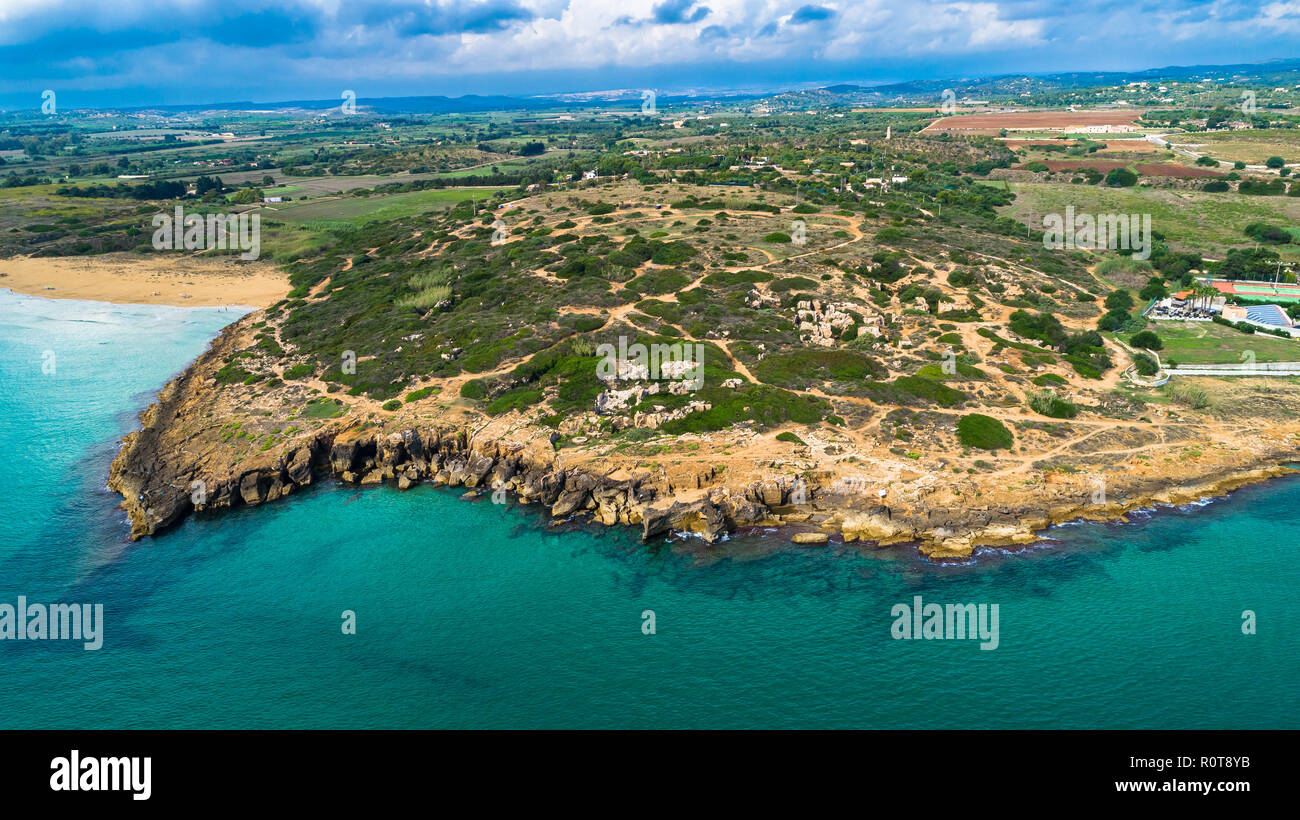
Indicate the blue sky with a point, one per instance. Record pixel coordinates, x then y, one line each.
137 52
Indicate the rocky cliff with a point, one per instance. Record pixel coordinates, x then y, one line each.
185 458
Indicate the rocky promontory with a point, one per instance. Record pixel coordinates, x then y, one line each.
197 451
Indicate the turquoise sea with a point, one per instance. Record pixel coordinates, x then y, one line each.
474 615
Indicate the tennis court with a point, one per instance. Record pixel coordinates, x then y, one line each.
1281 292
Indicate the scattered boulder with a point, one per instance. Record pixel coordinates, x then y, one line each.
810 538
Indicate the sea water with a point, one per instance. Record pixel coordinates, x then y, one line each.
472 614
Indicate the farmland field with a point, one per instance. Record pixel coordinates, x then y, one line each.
1191 220
1028 120
1251 147
1130 146
1161 169
359 210
324 185
1112 146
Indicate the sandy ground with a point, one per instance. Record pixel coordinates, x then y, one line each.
150 280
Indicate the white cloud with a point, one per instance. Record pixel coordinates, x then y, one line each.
145 41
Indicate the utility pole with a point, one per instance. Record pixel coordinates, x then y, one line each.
1277 271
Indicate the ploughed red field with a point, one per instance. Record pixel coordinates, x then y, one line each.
1027 120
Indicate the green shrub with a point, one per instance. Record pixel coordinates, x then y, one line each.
426 298
232 374
422 393
1262 187
789 283
1188 396
585 324
1121 178
655 282
323 408
805 367
1047 403
513 400
1146 340
724 278
983 432
1145 365
964 371
766 406
672 253
906 388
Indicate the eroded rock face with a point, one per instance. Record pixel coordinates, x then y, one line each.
155 470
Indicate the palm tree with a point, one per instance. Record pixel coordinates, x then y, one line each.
1210 292
1201 294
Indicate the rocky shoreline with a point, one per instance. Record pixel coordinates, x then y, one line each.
173 466
528 471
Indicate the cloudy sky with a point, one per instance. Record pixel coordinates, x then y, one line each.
138 52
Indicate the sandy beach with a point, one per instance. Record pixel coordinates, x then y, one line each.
152 280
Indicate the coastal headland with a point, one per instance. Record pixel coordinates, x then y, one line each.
203 448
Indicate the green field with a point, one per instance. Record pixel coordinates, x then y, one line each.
1191 220
360 210
1252 147
505 166
1207 343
